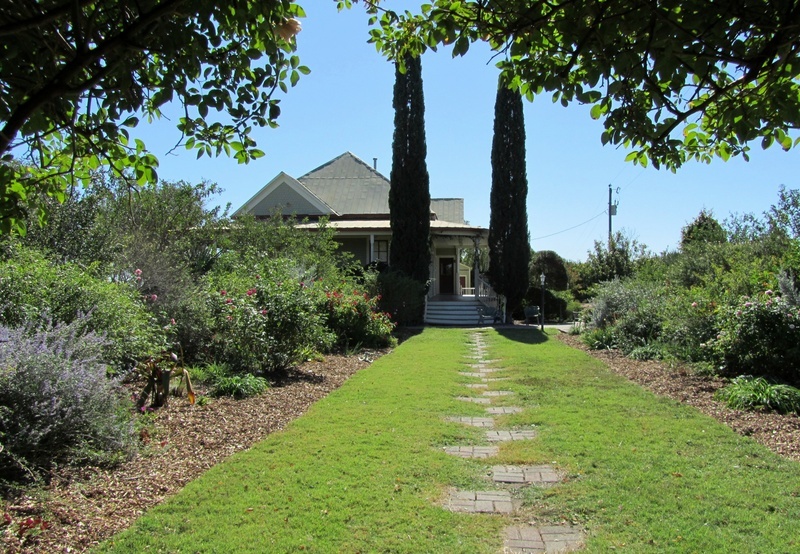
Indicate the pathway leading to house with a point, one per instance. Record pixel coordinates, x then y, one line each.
518 539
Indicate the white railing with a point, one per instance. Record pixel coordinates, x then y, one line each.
488 297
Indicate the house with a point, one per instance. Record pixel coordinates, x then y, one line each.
354 197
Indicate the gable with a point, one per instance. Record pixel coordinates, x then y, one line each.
288 195
287 200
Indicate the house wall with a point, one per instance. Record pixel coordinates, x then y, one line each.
358 247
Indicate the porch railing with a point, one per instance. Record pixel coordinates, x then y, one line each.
488 297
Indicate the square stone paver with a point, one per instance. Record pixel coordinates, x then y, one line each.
525 539
474 399
543 475
497 393
487 422
477 386
501 436
480 452
503 410
470 374
486 502
495 379
483 368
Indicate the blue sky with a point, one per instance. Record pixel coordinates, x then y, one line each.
345 104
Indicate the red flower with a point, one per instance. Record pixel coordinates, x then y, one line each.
223 292
251 292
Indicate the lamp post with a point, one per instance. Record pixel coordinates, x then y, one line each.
541 312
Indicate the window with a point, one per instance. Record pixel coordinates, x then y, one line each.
381 251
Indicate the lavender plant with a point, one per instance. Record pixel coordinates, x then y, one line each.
57 406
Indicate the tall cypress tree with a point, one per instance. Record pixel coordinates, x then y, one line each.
409 195
509 244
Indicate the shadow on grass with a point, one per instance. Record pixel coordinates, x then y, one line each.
402 334
523 334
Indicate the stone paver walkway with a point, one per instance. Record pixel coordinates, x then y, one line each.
487 502
500 436
523 539
503 410
474 399
518 539
480 452
538 475
474 421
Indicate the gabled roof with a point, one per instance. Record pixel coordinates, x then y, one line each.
349 186
346 187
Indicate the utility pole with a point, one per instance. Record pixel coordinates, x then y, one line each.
612 211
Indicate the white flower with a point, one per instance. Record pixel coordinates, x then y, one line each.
289 28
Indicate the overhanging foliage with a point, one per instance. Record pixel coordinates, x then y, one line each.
75 77
673 80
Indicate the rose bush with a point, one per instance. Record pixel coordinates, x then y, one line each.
759 335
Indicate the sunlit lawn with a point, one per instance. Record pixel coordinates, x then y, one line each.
362 471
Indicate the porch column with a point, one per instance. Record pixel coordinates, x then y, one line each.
371 248
476 265
457 271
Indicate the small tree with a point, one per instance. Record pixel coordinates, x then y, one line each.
553 267
509 245
703 230
607 263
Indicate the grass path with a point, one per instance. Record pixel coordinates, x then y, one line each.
361 471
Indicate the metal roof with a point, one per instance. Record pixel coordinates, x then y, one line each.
349 186
345 187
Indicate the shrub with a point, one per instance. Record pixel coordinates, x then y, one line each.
264 320
759 336
599 339
354 317
239 386
751 393
647 352
58 405
32 287
690 322
402 298
632 308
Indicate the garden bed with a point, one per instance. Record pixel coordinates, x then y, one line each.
82 507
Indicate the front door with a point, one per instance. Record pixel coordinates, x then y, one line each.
447 281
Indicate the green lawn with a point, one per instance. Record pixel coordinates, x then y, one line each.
360 472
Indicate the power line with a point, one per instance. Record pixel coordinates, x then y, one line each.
571 228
